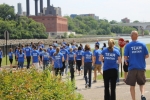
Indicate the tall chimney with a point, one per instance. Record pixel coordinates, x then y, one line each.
28 7
41 6
36 7
48 3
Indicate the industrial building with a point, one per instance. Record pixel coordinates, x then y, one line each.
19 9
51 18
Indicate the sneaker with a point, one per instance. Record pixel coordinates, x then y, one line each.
94 81
86 85
143 97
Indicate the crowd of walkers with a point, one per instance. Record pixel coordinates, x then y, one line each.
83 60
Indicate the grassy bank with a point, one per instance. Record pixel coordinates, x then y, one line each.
8 63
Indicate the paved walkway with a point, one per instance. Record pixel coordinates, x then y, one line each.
97 90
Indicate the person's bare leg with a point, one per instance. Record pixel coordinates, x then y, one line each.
95 75
125 75
132 91
142 89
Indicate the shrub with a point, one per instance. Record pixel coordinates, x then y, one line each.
71 36
33 85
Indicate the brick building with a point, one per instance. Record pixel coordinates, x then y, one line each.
55 25
125 20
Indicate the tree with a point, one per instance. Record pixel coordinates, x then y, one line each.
6 10
113 22
19 27
136 21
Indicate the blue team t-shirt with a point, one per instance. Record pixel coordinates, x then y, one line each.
35 55
45 56
58 60
52 52
97 54
87 56
41 52
136 51
97 43
1 54
21 57
71 56
79 54
10 54
115 47
64 52
110 59
27 51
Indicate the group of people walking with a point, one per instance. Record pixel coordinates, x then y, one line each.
81 58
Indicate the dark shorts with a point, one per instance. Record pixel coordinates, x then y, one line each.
10 60
136 76
78 64
125 67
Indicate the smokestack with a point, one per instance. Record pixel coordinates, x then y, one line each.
36 7
28 7
41 6
48 3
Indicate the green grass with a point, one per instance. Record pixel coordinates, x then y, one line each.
8 63
100 77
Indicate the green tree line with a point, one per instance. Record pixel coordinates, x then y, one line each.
90 26
19 27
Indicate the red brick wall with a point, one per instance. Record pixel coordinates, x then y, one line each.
52 23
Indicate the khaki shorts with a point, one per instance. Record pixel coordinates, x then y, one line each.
136 76
97 67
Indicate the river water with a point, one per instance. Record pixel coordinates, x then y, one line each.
144 39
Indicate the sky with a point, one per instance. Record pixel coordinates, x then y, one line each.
105 9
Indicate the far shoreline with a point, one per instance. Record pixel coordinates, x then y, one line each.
50 41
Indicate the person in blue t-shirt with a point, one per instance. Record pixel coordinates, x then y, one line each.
45 59
65 53
111 59
79 59
136 52
125 64
10 54
53 50
64 42
97 63
1 56
58 58
71 61
16 56
49 52
97 42
104 46
27 52
21 56
35 58
41 53
87 62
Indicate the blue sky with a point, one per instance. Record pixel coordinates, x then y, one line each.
108 9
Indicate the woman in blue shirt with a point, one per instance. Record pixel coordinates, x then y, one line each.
58 58
41 53
87 61
21 57
71 60
45 59
78 58
10 57
1 56
111 59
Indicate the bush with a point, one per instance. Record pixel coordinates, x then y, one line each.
71 36
33 85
